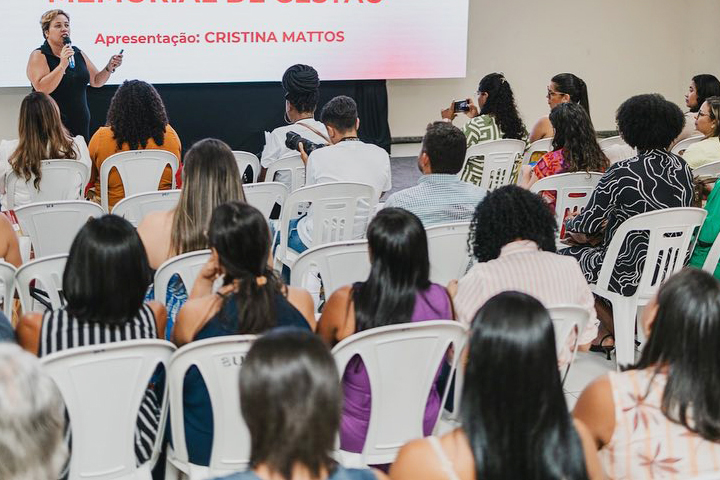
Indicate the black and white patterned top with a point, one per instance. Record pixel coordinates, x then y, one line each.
652 180
60 331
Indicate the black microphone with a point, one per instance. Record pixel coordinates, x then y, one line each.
67 41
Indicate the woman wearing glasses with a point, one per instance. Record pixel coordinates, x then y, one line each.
563 88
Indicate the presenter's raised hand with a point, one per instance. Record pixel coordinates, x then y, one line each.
115 62
65 54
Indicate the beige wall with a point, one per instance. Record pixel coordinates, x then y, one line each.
619 47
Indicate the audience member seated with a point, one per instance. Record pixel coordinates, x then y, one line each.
42 136
707 123
398 290
515 423
659 419
708 233
32 417
563 88
497 118
302 88
347 160
252 300
102 308
211 178
512 236
136 120
652 180
701 88
291 404
574 145
440 196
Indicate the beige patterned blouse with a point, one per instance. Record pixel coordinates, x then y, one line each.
645 443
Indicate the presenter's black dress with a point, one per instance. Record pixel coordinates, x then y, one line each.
71 93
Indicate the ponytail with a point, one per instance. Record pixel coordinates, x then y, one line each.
254 300
573 86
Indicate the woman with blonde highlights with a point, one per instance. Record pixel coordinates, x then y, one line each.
210 178
42 136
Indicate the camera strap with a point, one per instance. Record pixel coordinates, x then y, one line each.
315 131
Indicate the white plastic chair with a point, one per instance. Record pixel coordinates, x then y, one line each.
52 226
48 272
573 191
334 214
611 141
707 171
713 257
61 180
187 266
448 251
219 361
292 164
401 361
544 145
7 277
247 159
671 233
103 387
499 160
135 207
140 171
568 319
265 195
338 263
682 145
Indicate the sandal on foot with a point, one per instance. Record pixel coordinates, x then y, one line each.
607 349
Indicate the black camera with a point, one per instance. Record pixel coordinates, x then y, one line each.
292 139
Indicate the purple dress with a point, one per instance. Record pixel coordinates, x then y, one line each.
432 304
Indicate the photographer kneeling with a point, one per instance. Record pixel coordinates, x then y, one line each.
346 160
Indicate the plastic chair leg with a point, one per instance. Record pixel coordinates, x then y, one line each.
624 313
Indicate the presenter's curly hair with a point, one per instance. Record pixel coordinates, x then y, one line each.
302 87
648 121
575 135
501 105
507 214
136 115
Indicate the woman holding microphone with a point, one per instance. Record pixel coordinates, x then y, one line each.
64 71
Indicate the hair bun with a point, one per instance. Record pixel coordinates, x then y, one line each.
301 79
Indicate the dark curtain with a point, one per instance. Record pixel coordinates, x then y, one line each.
240 113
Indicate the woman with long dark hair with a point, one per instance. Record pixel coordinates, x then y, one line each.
574 148
252 300
398 290
563 88
291 403
136 120
660 418
515 423
702 87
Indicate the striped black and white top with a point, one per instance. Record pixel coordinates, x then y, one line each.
61 331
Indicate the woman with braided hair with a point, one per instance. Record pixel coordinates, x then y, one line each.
302 88
252 300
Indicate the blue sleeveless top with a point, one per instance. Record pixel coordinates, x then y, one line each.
340 473
198 410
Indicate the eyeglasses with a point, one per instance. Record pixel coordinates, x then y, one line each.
701 114
550 93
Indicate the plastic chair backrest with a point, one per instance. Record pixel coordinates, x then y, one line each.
140 171
339 264
568 319
610 141
713 257
7 277
291 163
707 171
48 272
187 266
448 251
103 387
401 362
544 145
52 226
219 361
573 192
671 236
334 211
499 159
247 159
682 145
61 180
135 207
265 195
